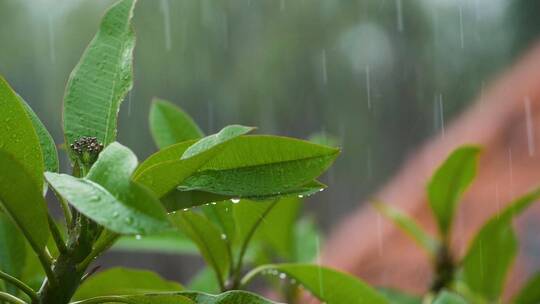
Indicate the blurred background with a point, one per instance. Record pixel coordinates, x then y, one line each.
380 75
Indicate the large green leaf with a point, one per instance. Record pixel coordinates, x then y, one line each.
449 182
48 147
330 286
493 250
158 298
208 238
13 244
530 293
167 242
409 226
166 175
21 198
170 125
18 136
100 81
230 297
124 281
446 297
254 166
134 215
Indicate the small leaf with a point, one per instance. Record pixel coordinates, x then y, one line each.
207 237
102 78
530 293
170 125
134 214
167 175
13 244
493 249
449 182
446 297
327 285
18 136
172 242
21 198
230 297
124 281
254 166
48 147
409 226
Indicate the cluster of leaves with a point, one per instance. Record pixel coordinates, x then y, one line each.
215 191
478 276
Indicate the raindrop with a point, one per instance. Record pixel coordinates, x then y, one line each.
300 196
128 220
223 236
185 209
214 203
138 237
115 214
235 200
282 276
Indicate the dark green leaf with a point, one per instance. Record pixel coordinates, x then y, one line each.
21 198
101 80
530 294
409 226
18 136
170 125
12 257
124 281
493 249
165 176
48 147
230 297
328 285
208 238
254 166
449 182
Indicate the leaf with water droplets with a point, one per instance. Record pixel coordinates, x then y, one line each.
102 78
170 125
124 281
229 297
17 134
328 285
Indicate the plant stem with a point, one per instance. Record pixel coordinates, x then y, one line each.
10 299
100 246
19 284
57 236
238 270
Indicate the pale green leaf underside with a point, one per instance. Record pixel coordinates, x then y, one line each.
124 281
172 242
100 81
330 286
446 297
449 182
171 125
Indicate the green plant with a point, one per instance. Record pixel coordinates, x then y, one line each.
215 190
478 276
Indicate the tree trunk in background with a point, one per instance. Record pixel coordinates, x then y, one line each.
371 247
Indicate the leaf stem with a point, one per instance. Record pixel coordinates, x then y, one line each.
19 284
238 271
57 236
10 299
101 246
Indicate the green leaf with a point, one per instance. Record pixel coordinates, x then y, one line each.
254 166
530 293
124 281
330 286
13 244
308 240
101 80
222 215
135 213
172 242
169 153
170 125
409 226
204 281
209 240
446 297
21 198
398 297
167 175
158 298
449 182
493 250
48 147
230 297
18 136
248 217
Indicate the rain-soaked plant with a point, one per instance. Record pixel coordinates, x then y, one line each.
478 276
235 196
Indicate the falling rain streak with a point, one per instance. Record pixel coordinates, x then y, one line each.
368 86
529 123
438 114
461 35
165 10
399 10
323 65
